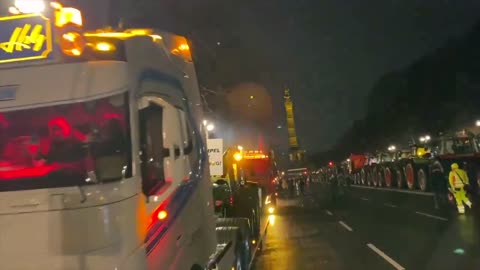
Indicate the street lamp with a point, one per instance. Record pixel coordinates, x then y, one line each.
208 127
238 156
425 138
477 123
392 148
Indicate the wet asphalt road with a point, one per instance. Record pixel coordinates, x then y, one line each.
369 229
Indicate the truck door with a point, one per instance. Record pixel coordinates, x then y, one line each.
160 137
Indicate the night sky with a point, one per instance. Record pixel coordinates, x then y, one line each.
328 52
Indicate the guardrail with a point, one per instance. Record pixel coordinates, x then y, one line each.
259 243
222 249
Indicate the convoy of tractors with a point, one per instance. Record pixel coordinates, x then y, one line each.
421 165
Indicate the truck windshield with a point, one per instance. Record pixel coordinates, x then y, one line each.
65 145
460 146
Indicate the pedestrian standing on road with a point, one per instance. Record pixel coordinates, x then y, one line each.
457 179
301 186
291 188
439 186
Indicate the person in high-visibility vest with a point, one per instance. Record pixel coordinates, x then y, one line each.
457 179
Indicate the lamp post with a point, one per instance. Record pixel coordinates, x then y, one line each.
208 127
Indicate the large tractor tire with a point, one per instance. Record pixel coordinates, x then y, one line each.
242 254
371 178
380 179
422 179
399 178
410 176
374 177
363 177
387 174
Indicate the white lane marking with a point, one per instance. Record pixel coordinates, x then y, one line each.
364 199
431 216
396 190
390 205
385 257
346 226
328 213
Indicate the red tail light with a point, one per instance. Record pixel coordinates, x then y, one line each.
230 200
160 214
218 203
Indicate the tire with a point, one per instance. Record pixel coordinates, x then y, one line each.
380 179
241 249
370 177
410 176
388 177
374 177
363 177
422 180
399 178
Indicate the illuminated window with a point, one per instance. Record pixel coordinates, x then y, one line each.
65 145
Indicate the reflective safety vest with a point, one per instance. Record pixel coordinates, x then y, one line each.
458 178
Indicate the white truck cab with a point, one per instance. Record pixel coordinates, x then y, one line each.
102 157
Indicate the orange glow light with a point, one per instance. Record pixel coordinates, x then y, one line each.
162 215
64 16
72 44
104 47
184 47
237 156
140 32
181 48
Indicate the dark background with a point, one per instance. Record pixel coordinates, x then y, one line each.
362 73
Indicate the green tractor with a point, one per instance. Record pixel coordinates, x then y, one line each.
235 196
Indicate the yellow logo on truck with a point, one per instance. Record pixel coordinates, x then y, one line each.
20 39
25 37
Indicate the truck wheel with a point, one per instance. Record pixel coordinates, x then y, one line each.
388 177
410 176
399 178
422 180
380 178
374 178
240 246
